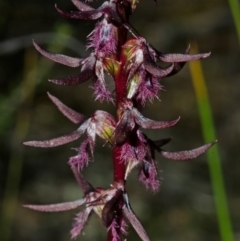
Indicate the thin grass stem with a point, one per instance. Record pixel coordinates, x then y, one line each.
214 162
235 9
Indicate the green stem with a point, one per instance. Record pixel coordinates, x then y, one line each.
235 9
214 162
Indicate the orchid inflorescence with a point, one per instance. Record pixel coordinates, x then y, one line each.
133 66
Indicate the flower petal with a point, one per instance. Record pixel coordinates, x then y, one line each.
101 93
88 15
176 68
186 155
112 66
82 182
100 88
105 125
177 65
149 175
59 58
157 71
109 209
148 88
82 158
133 85
103 38
135 60
74 80
129 167
152 67
123 128
56 141
114 230
182 57
72 115
80 222
151 124
59 207
87 72
159 143
82 6
112 11
132 218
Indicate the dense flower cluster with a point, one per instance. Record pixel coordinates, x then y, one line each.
134 66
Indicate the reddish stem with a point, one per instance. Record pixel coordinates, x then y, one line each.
121 90
118 165
121 77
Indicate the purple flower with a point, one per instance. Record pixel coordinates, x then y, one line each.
94 200
143 71
149 171
105 203
141 153
101 123
135 69
82 158
92 67
104 38
111 11
131 118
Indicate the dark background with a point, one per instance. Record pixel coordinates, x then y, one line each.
184 208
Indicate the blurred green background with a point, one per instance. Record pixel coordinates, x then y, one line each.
184 209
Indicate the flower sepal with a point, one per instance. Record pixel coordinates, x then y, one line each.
130 117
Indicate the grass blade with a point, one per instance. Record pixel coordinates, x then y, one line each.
235 9
214 162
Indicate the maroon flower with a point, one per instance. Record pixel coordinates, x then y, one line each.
131 118
108 10
143 71
92 67
135 69
93 202
104 38
105 203
101 123
149 171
